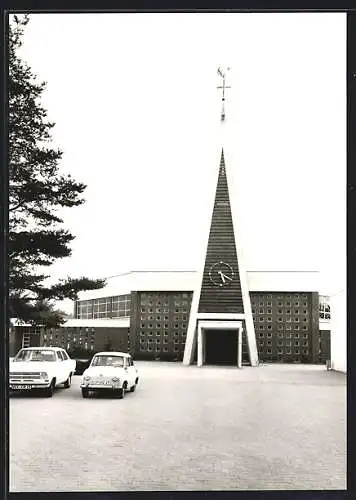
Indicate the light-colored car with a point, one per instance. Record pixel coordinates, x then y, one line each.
114 371
41 368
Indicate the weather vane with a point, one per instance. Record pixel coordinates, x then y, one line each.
222 74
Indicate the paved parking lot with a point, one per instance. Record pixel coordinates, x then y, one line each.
186 428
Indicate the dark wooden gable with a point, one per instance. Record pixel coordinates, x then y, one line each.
221 247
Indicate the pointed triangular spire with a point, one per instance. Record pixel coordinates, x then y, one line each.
221 295
222 160
221 299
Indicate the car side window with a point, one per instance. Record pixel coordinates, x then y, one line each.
64 354
59 355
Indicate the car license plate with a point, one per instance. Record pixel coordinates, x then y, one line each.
20 387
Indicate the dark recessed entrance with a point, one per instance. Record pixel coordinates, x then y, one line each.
221 347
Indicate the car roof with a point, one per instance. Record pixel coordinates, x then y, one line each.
113 353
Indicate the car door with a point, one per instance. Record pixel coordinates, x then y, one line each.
132 371
127 371
61 368
67 363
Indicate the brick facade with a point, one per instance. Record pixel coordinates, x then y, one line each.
286 325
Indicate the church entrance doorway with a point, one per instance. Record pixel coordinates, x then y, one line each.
221 347
219 343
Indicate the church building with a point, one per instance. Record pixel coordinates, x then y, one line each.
220 314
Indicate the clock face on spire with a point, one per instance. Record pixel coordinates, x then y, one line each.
221 273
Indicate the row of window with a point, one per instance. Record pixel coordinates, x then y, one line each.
288 351
158 349
294 336
91 347
105 307
153 326
260 296
158 334
280 335
280 319
158 302
280 311
165 311
280 303
69 338
281 327
69 330
75 333
103 301
280 342
158 341
164 299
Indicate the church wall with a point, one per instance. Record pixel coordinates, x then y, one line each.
161 323
286 326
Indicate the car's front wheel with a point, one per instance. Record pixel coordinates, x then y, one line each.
50 390
121 392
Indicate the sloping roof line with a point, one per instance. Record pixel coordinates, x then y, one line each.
191 271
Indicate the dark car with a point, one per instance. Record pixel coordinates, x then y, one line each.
82 365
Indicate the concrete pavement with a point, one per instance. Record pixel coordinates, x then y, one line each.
186 428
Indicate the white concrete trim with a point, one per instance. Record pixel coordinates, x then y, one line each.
250 328
98 323
191 337
239 347
200 347
191 331
324 325
121 322
219 325
222 316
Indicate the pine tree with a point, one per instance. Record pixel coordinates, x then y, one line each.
37 189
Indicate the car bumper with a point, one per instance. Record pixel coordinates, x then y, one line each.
28 386
98 387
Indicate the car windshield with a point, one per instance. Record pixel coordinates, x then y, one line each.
35 355
104 360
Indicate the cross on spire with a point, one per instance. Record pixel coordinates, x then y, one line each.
222 74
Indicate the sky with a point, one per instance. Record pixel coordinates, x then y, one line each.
137 116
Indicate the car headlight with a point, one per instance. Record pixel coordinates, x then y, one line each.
43 375
115 379
86 378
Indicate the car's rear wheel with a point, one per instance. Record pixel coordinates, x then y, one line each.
68 382
85 392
